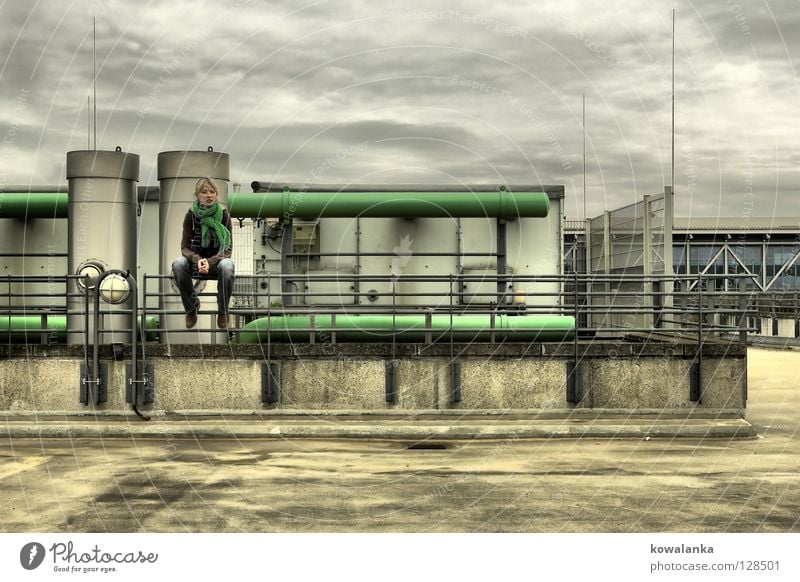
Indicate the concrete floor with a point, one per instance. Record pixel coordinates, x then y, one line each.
513 485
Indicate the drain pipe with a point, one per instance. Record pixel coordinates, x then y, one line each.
116 286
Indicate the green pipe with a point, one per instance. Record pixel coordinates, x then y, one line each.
310 205
28 328
28 205
407 328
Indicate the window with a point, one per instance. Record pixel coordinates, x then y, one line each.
699 257
750 255
777 256
679 259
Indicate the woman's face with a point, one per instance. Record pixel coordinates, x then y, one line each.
206 196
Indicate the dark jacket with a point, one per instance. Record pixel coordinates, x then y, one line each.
190 241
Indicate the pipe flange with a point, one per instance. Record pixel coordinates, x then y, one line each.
92 269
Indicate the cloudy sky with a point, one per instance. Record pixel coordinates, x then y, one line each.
454 93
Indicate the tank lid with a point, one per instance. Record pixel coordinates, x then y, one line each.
102 164
194 164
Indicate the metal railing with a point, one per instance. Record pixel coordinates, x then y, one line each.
677 305
686 306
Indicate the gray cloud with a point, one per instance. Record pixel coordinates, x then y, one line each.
467 93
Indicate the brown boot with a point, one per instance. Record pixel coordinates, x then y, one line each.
191 319
222 320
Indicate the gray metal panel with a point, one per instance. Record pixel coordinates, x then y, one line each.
337 235
402 240
482 288
380 235
148 250
479 236
39 236
426 235
338 291
534 248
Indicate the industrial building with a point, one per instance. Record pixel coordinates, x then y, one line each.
402 299
763 250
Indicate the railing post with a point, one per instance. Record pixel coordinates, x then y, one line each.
452 347
394 317
574 372
695 373
269 320
743 305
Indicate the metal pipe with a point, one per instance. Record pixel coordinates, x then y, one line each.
409 328
18 328
27 205
311 205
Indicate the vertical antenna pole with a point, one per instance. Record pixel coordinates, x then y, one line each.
672 170
583 124
88 122
94 81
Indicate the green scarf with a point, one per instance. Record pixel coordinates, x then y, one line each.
211 217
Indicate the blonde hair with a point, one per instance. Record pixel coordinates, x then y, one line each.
202 183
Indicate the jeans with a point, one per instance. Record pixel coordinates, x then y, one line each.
223 272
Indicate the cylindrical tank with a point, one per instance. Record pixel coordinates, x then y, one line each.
178 173
101 233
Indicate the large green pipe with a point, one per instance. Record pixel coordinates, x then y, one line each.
310 205
407 328
27 205
28 328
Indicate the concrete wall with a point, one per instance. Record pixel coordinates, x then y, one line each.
351 378
650 383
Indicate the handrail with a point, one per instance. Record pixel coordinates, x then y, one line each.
595 311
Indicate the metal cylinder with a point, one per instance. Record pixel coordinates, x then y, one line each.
101 234
178 173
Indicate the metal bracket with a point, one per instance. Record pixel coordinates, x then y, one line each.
695 386
147 382
93 391
270 383
574 382
389 382
455 382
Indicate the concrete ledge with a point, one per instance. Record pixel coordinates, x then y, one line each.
615 375
586 349
415 429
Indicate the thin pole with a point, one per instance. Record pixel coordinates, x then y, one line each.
88 122
94 66
583 125
672 170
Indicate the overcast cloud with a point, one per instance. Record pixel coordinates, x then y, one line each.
454 93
